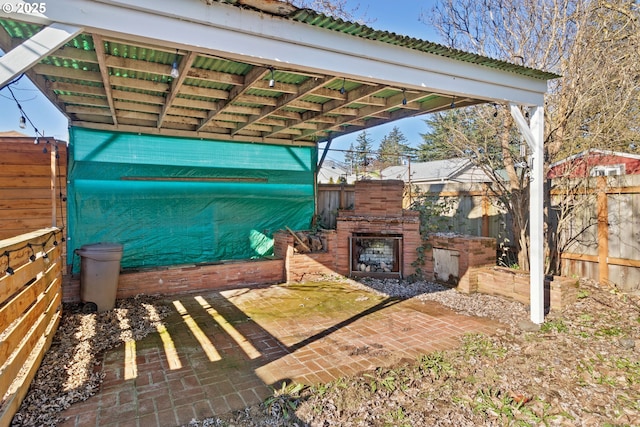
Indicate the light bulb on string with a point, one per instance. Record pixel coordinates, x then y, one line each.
175 73
9 270
23 122
272 80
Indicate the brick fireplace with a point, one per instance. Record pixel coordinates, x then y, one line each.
377 238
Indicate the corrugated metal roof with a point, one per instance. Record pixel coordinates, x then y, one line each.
316 19
130 83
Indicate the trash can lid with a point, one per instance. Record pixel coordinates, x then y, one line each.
102 247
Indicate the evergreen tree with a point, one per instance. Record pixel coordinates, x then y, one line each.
362 154
350 158
393 148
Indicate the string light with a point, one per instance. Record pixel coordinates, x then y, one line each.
342 89
175 73
272 81
453 102
404 97
24 118
10 271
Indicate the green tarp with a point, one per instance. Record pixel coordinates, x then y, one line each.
174 201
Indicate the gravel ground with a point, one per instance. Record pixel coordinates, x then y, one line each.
68 371
580 368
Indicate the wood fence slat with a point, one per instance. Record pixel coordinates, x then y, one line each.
21 353
30 307
27 182
26 193
9 285
24 324
50 322
22 204
25 170
26 213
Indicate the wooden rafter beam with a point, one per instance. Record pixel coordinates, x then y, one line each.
137 65
210 133
303 90
254 75
98 45
76 88
184 66
138 84
399 101
335 105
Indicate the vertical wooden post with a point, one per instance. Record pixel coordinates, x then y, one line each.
603 230
343 197
485 216
54 175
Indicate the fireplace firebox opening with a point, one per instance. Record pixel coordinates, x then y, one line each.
375 255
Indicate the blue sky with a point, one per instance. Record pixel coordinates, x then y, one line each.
401 16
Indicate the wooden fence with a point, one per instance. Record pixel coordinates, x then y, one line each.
32 183
470 210
331 198
605 231
30 311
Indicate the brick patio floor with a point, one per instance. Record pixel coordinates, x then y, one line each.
222 351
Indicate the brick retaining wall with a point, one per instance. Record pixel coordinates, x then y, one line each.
182 279
513 284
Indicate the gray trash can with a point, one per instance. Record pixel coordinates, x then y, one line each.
99 273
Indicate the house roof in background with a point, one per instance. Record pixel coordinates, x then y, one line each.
449 170
13 134
115 71
596 152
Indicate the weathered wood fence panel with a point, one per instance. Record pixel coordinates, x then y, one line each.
331 198
607 223
30 310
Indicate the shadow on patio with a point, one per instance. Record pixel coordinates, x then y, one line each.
222 351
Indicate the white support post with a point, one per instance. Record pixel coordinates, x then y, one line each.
534 135
31 51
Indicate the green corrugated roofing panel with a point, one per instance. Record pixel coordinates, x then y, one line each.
315 99
140 75
140 53
70 63
82 41
207 84
221 65
262 92
18 29
387 93
316 19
